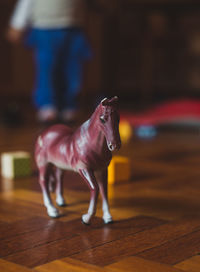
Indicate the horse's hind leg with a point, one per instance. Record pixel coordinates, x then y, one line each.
52 182
102 179
94 191
44 173
59 174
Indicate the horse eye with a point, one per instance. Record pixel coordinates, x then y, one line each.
102 119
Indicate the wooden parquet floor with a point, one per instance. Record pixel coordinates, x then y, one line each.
156 213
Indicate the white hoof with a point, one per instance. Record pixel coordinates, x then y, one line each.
86 218
107 219
53 212
60 201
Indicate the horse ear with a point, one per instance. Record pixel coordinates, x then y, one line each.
113 101
104 102
108 102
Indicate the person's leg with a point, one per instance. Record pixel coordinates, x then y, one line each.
78 52
46 51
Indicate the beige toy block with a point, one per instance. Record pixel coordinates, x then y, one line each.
119 169
15 164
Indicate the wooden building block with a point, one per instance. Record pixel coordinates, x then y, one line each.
15 164
126 131
119 169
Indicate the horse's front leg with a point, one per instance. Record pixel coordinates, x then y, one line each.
90 179
102 180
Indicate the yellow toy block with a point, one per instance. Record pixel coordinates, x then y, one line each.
126 131
119 169
15 164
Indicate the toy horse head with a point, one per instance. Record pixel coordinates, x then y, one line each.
109 122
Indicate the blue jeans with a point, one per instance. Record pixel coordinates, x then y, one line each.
59 57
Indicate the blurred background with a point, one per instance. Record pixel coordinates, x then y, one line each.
145 52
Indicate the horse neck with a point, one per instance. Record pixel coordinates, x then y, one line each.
95 136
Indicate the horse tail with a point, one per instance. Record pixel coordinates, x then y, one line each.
40 141
38 146
40 152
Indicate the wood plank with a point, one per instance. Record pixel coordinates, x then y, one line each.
11 267
52 231
120 213
136 264
190 265
139 242
68 264
175 251
13 210
90 237
9 230
28 195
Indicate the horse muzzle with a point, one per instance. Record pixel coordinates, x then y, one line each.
114 146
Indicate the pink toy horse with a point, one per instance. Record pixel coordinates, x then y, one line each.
87 151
